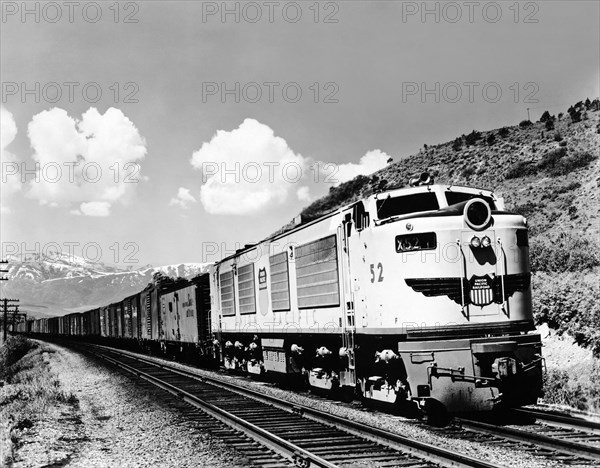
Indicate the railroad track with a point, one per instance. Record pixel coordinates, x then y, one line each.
567 445
270 432
562 421
577 443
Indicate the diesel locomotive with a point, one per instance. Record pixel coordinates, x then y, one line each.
417 297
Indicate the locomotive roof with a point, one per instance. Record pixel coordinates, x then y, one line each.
376 195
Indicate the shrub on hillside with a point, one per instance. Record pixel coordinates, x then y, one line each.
549 125
564 164
525 123
491 139
503 132
521 169
567 303
556 163
551 159
527 209
554 193
338 196
468 172
557 137
545 117
457 144
564 253
472 138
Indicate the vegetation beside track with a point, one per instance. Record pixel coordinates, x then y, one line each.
28 389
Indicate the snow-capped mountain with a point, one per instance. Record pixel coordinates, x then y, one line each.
58 283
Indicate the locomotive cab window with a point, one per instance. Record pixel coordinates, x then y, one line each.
457 197
406 204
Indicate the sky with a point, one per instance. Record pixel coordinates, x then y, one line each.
156 132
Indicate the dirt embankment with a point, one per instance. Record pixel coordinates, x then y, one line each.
59 408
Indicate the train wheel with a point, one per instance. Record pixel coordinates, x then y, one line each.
436 413
346 393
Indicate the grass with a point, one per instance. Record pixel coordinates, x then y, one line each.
562 388
573 372
567 302
29 389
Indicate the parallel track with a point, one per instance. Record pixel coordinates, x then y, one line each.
284 431
568 445
561 420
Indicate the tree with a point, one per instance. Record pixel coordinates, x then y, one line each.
457 144
472 137
545 116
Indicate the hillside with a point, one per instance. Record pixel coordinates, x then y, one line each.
548 171
57 284
541 170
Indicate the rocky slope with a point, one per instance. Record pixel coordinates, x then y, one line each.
548 170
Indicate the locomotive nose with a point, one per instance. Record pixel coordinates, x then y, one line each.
477 214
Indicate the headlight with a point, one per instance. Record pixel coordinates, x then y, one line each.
475 242
477 214
486 242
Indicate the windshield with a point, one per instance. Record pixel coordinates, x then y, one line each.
406 204
456 197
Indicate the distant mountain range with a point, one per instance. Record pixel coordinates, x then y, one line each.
58 283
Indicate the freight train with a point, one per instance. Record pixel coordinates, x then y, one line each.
417 297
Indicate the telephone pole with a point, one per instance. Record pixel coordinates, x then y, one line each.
6 303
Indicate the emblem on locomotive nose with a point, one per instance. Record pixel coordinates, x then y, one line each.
481 292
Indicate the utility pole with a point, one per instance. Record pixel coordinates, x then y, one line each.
6 302
528 118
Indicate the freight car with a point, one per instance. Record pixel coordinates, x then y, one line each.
417 297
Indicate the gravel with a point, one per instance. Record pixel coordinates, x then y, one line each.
114 422
117 423
494 453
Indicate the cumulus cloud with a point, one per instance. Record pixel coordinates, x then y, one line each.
246 169
183 198
91 162
11 182
371 162
303 194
